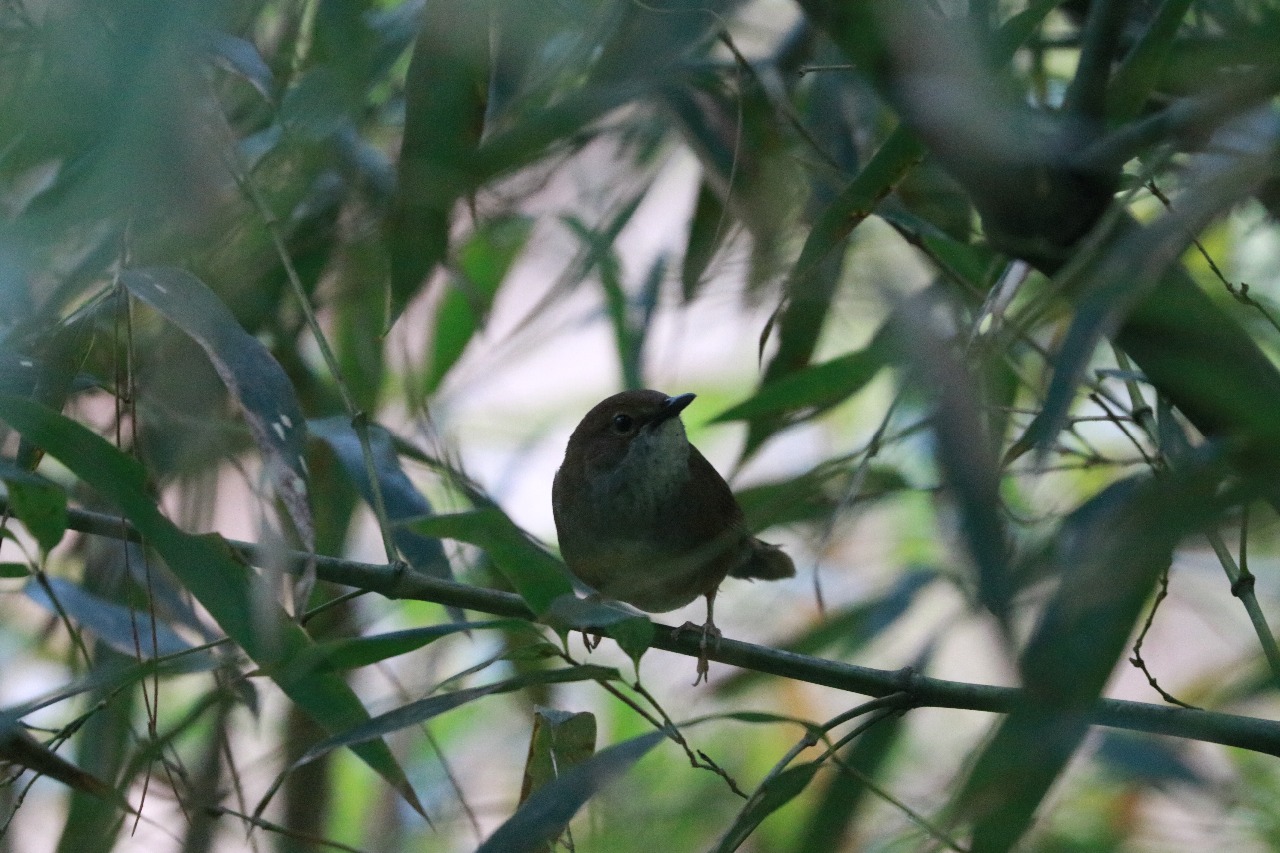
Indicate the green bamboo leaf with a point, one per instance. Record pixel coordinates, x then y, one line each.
889 165
14 570
797 325
814 495
252 375
425 709
124 629
566 119
737 136
817 387
1114 549
38 502
632 631
317 105
618 308
354 652
971 264
645 43
445 93
400 498
483 263
560 740
827 826
707 231
1135 79
966 455
775 793
222 584
536 575
1135 289
544 816
241 57
115 676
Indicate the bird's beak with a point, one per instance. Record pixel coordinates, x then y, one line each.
671 408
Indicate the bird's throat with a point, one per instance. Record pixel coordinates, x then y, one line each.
650 475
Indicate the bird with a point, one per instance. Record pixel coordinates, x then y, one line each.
644 518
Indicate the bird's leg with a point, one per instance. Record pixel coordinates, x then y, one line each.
591 638
710 638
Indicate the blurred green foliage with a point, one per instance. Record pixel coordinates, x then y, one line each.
990 258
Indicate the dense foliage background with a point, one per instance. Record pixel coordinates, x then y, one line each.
978 300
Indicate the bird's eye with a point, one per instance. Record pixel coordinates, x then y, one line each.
622 424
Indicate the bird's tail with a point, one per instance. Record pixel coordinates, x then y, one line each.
767 563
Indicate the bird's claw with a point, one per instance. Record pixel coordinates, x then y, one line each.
710 641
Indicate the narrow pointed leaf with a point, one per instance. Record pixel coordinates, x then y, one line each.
252 375
544 816
771 796
39 503
126 630
632 631
445 94
355 652
222 584
817 387
483 262
241 57
707 231
560 740
537 576
424 709
1113 551
400 498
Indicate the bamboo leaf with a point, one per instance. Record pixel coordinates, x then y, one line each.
560 741
483 263
632 631
817 387
445 96
775 793
1114 548
400 498
252 375
354 652
241 57
543 817
124 629
221 583
707 231
535 574
39 503
425 709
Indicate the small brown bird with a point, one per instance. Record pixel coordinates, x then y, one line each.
644 518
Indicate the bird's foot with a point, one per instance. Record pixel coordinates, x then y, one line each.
710 641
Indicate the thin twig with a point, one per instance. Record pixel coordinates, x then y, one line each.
1137 659
1239 293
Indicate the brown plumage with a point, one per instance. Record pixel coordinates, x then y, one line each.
644 518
